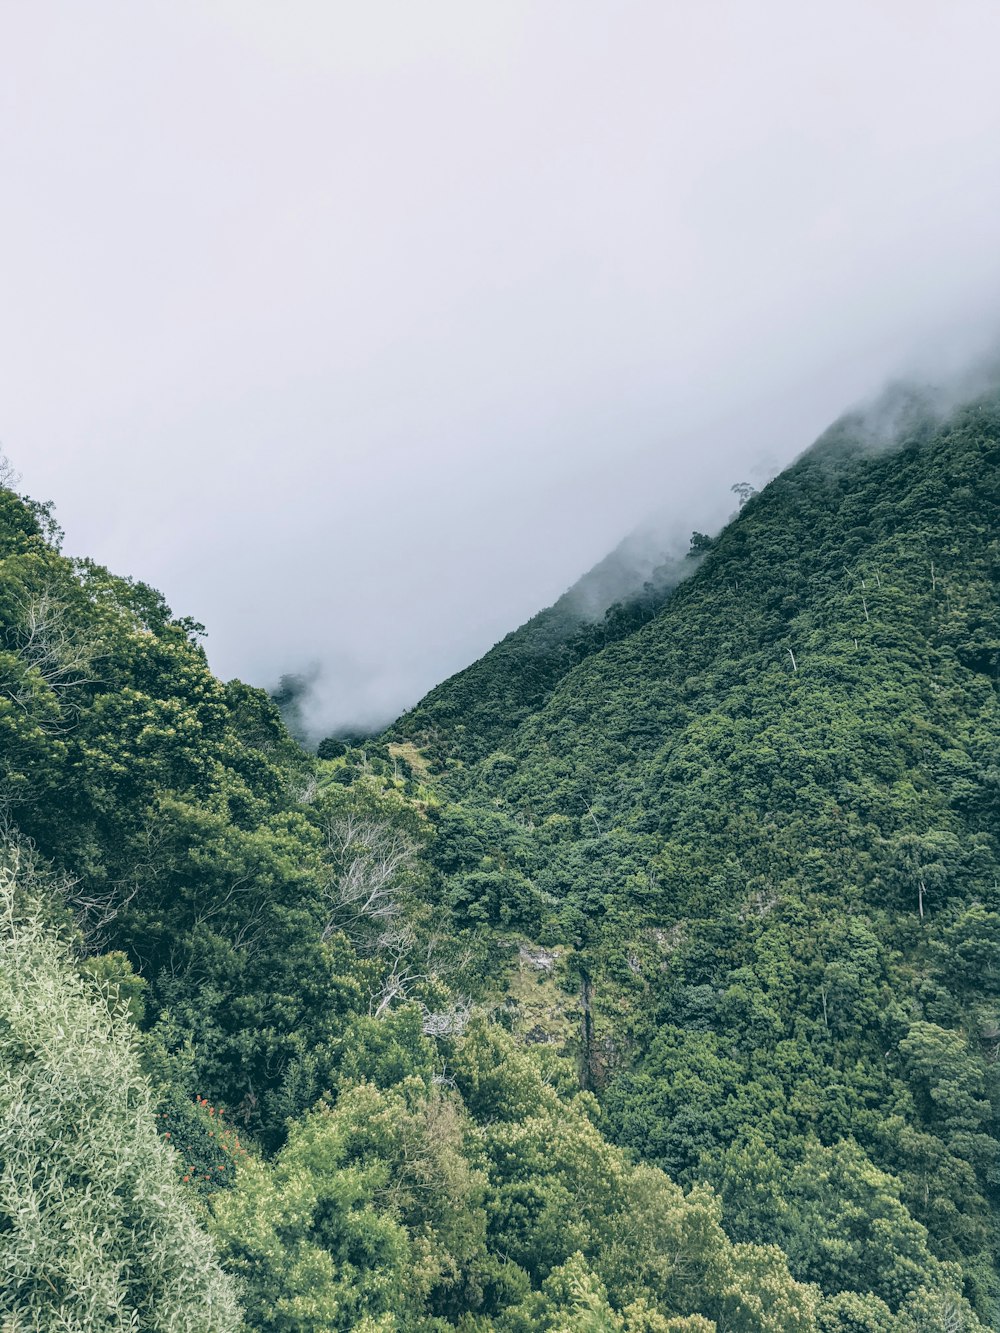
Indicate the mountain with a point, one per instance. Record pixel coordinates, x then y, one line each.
475 711
646 977
759 832
248 1071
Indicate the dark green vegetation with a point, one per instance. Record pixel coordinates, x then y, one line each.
645 977
475 712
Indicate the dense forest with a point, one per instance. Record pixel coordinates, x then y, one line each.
644 977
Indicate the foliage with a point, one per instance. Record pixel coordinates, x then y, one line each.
94 1231
411 1204
208 1149
744 828
471 715
763 824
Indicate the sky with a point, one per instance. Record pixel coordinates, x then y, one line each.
362 330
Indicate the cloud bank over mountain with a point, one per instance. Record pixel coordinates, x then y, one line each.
363 331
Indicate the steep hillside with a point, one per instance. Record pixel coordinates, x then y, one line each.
665 998
249 1051
761 831
477 710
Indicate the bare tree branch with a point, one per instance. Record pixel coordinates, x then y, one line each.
373 858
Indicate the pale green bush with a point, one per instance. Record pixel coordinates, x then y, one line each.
95 1233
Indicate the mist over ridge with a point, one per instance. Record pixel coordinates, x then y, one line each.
361 332
655 555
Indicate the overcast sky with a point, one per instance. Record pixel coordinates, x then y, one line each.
362 329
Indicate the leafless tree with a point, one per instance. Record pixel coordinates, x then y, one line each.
97 906
370 901
371 859
9 476
405 968
449 1022
95 909
20 858
45 639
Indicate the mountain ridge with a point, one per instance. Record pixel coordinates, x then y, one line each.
663 999
802 733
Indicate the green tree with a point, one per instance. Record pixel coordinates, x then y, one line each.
95 1233
370 1211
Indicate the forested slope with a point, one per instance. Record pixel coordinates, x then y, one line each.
476 711
675 1010
246 1049
762 828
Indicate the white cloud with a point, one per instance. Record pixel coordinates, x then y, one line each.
361 330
